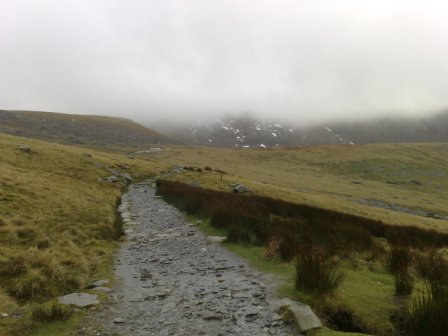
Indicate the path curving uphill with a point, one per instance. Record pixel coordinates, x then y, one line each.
172 281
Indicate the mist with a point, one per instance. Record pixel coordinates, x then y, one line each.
173 61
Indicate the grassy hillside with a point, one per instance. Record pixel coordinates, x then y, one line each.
57 222
375 181
79 130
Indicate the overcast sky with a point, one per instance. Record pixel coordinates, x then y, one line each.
149 59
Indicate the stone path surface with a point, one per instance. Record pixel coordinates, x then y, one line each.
172 281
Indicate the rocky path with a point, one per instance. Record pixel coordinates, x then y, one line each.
172 281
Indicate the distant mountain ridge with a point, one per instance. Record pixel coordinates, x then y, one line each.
84 130
248 131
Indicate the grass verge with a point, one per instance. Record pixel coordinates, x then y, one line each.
57 222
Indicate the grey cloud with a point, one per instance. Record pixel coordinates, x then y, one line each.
306 60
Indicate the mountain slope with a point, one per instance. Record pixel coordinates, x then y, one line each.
92 131
247 131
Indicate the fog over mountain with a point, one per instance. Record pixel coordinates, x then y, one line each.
307 61
247 131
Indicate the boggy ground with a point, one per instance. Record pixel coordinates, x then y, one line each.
172 281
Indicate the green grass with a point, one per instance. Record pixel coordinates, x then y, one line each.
323 176
57 222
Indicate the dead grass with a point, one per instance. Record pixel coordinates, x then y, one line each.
57 222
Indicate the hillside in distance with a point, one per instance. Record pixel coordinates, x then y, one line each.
247 131
79 130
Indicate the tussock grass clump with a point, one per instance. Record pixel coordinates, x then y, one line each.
50 311
429 312
36 273
315 272
399 259
428 315
398 263
434 268
404 283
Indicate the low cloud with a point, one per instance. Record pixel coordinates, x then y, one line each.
153 60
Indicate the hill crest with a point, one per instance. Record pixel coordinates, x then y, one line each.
79 130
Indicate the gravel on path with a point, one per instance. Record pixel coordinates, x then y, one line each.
170 280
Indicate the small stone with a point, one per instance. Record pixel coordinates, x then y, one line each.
118 320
